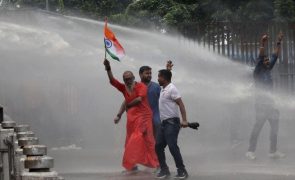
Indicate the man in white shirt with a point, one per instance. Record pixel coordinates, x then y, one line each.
169 105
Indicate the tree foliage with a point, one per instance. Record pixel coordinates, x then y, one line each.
178 14
284 10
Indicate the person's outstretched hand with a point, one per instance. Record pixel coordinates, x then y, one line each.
169 65
264 38
280 36
117 119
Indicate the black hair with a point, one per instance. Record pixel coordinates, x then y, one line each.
166 74
144 68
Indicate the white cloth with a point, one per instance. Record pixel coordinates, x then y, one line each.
167 105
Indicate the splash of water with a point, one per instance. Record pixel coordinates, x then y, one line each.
52 77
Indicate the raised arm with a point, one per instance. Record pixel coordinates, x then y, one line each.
114 82
263 41
261 56
169 65
107 66
277 51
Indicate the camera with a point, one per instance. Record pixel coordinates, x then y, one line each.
194 125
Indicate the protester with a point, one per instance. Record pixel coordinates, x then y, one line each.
170 103
264 105
140 143
154 89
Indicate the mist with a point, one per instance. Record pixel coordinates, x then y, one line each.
53 78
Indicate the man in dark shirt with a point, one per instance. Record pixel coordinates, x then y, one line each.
264 105
154 89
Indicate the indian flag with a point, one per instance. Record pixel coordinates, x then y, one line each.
112 45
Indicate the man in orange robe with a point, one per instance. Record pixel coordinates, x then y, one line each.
140 143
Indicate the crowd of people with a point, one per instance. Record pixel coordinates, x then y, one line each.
154 121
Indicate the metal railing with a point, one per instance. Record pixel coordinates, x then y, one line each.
21 156
239 41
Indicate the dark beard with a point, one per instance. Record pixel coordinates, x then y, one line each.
146 81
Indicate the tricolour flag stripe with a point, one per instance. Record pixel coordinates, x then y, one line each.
112 45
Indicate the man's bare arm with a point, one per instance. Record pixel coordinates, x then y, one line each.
277 49
263 41
169 65
134 102
179 102
121 111
108 69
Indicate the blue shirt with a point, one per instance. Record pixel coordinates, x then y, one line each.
154 90
262 75
263 80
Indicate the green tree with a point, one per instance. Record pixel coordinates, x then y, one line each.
166 13
111 7
261 10
284 10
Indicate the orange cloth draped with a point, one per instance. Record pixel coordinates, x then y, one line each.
140 143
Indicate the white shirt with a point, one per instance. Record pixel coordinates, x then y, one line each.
167 105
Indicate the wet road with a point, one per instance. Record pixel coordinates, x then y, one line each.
148 176
232 165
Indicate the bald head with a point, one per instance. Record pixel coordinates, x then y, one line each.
128 73
128 78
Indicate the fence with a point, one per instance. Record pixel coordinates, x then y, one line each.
240 41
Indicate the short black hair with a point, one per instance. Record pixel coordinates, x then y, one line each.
144 68
166 74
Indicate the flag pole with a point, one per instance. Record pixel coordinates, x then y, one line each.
105 48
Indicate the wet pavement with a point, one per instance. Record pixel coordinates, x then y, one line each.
207 164
148 176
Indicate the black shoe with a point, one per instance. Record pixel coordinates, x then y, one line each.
163 174
181 174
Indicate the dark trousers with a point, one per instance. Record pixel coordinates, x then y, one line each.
167 135
156 127
265 113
